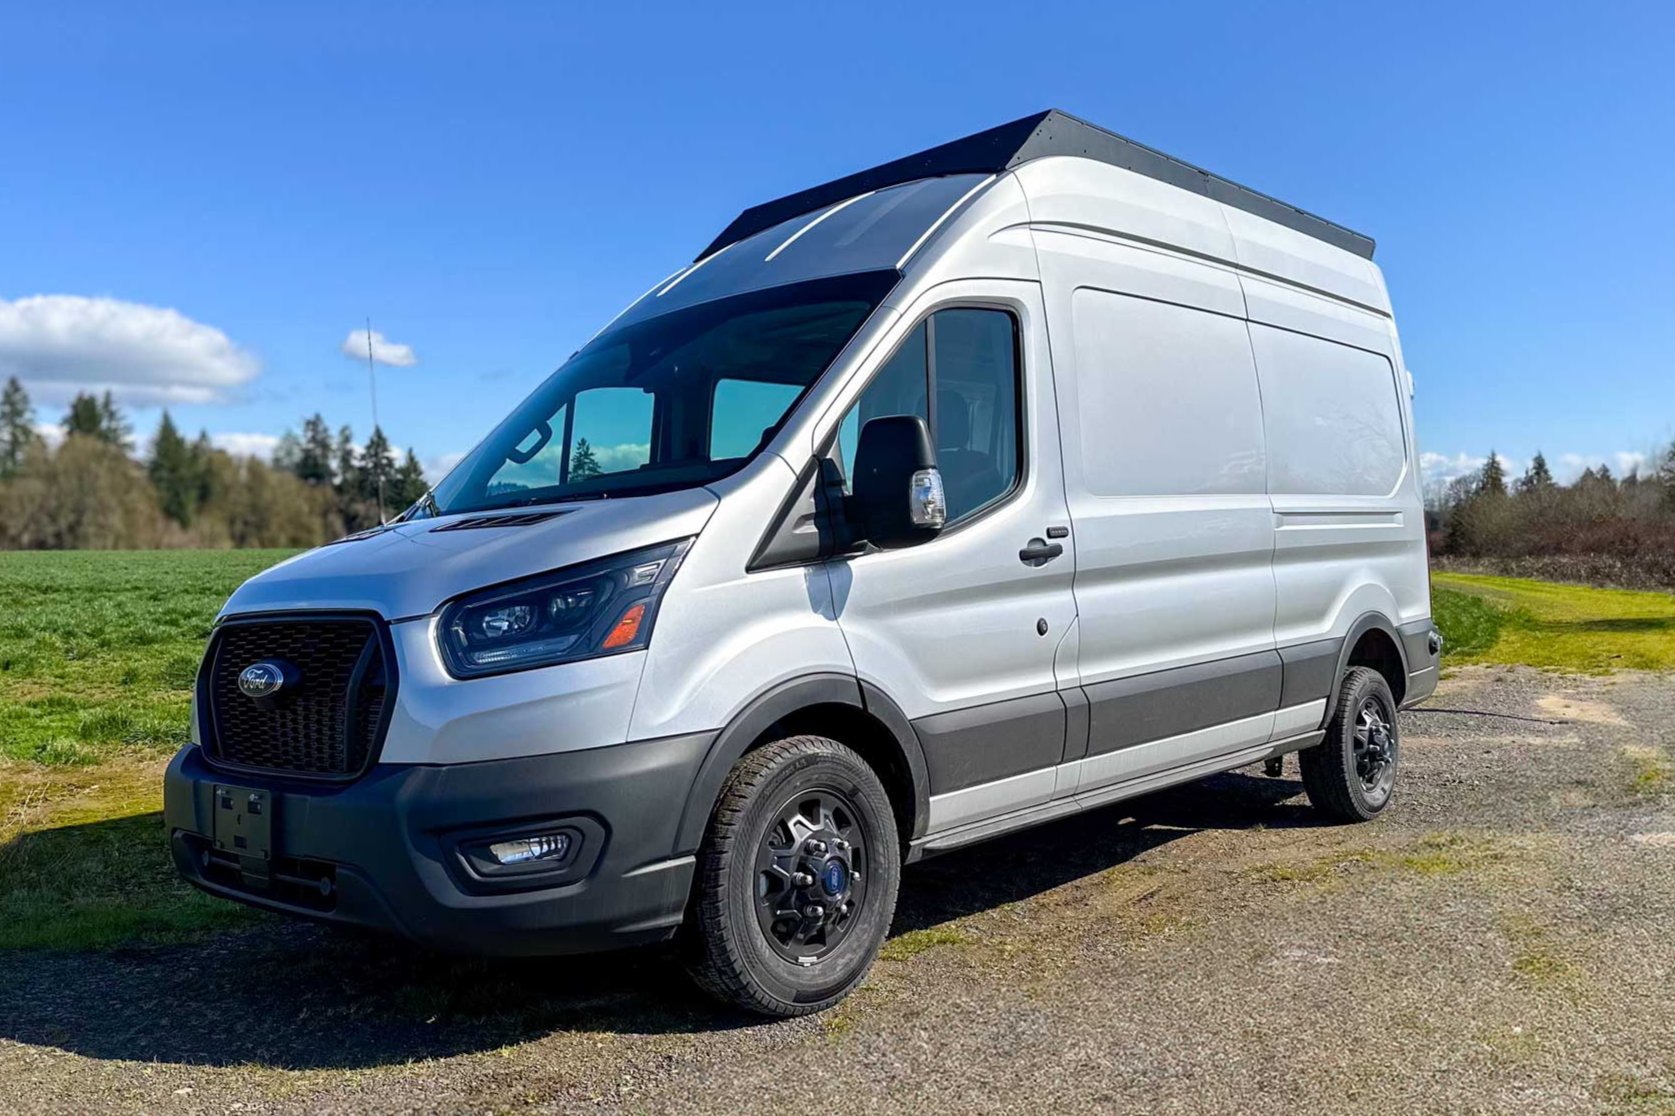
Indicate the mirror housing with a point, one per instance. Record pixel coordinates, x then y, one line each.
897 491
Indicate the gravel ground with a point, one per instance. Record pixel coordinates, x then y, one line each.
1501 940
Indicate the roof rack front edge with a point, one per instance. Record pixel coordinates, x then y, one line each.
1037 136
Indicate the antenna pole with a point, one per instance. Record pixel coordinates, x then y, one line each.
372 379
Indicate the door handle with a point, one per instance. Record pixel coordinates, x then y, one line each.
1039 552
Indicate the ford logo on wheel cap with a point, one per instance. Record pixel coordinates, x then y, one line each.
835 877
266 678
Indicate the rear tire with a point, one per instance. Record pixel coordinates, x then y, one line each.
1351 775
797 879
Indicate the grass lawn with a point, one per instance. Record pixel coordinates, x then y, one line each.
97 658
98 653
1552 626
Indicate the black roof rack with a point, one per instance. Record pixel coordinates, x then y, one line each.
1044 133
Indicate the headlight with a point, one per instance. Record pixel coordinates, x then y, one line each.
599 608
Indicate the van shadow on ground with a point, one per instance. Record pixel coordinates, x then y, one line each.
288 995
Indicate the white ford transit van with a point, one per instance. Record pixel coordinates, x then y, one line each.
1006 480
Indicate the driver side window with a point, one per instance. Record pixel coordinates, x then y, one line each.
957 370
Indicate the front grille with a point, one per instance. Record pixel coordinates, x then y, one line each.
326 722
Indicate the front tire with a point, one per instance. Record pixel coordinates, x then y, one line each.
1351 775
797 879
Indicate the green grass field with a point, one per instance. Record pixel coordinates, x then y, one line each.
97 657
1552 626
98 653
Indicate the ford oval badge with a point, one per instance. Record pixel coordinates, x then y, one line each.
262 680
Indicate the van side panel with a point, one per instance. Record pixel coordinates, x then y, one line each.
1165 473
1332 416
1349 524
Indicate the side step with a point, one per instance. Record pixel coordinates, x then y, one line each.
970 834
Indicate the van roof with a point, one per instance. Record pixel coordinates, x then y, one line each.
1037 136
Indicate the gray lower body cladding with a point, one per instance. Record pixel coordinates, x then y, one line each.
392 844
985 743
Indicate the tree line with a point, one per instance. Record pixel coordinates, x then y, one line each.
96 490
1600 528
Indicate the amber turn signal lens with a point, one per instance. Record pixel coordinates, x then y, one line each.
626 628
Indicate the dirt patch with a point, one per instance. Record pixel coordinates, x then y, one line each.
1504 932
1565 708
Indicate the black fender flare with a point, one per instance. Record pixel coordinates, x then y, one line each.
1366 622
775 704
889 714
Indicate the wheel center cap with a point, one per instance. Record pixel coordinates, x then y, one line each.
834 877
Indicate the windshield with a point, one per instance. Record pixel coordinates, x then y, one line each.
671 402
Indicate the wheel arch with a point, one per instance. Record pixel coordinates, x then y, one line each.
1374 640
836 705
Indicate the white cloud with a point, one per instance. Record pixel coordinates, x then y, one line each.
1629 461
1622 463
247 445
629 455
384 351
51 433
438 467
145 355
1439 468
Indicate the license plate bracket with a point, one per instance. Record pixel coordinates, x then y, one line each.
243 827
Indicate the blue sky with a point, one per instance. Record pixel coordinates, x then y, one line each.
491 182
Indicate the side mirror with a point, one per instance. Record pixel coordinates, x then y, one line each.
897 498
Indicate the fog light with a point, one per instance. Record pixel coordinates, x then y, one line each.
528 850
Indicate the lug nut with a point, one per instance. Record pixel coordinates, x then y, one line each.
814 910
801 879
815 847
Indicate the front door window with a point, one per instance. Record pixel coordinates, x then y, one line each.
958 370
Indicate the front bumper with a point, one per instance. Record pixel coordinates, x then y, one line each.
381 852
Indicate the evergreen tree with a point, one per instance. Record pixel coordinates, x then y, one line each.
377 471
288 453
83 418
17 427
347 474
583 464
174 473
211 484
1492 479
409 485
1665 477
1537 478
116 430
99 419
314 459
347 471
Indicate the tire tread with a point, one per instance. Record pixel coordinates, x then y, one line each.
1325 766
716 964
